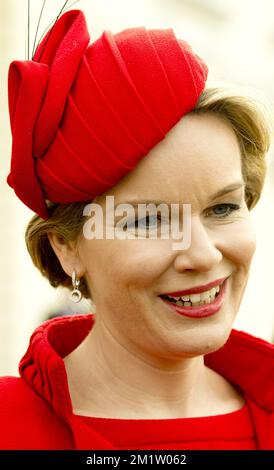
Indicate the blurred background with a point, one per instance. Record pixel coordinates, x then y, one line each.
236 40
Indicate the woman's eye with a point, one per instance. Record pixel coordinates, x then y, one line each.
154 221
146 222
224 210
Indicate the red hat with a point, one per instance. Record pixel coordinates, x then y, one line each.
82 116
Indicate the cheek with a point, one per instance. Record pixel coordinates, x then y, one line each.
239 245
125 263
141 262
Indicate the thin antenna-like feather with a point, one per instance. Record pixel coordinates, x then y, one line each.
69 6
37 29
48 27
28 25
60 12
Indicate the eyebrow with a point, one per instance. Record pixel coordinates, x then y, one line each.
228 189
221 192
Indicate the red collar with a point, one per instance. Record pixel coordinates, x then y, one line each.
244 360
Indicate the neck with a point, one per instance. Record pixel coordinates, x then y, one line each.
108 378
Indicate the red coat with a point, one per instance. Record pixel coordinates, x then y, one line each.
36 409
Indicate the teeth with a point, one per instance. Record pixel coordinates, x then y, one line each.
196 299
213 292
205 295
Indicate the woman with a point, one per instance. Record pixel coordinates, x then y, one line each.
159 365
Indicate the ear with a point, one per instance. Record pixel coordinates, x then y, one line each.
67 254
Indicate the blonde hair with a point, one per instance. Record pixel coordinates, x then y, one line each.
251 127
249 120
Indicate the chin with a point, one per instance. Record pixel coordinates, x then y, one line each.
214 340
203 342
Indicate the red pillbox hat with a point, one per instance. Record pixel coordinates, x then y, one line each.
83 115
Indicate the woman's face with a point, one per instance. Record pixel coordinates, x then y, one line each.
199 157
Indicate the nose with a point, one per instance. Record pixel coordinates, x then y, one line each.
203 253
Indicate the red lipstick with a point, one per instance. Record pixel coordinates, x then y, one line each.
201 311
197 289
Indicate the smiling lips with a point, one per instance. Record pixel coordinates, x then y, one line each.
198 302
197 289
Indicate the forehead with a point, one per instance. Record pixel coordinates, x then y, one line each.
200 154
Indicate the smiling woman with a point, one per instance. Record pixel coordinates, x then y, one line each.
159 365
